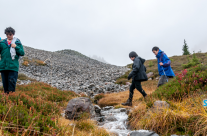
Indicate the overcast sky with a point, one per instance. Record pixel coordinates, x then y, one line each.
108 28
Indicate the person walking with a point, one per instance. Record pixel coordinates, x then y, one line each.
164 66
10 52
138 75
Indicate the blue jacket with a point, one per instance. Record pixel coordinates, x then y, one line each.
162 57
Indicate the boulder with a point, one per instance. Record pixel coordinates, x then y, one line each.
143 133
160 104
97 109
150 74
78 106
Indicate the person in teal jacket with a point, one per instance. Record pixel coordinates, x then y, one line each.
9 67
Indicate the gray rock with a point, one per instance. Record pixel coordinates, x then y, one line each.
122 109
97 109
77 106
150 74
143 133
160 104
107 108
111 118
70 70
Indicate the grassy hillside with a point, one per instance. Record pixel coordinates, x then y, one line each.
35 109
176 64
184 94
186 114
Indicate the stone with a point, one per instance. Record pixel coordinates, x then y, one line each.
160 105
77 106
122 109
150 74
111 118
107 108
143 133
97 109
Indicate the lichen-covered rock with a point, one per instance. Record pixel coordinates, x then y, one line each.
76 107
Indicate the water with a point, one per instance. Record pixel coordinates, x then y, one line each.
120 125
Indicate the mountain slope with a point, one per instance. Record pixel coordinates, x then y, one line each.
70 70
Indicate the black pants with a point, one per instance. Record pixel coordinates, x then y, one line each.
9 79
138 86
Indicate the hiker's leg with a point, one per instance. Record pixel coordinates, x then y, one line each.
12 76
131 90
5 81
138 86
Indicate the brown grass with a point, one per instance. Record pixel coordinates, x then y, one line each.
81 128
118 98
186 117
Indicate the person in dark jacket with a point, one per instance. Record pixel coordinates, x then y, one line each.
138 75
8 67
164 67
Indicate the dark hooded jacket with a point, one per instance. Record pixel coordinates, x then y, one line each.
138 70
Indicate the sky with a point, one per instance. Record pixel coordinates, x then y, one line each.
108 28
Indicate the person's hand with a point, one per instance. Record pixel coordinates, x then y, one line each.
129 78
161 64
13 45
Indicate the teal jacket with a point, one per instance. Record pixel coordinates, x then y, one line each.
6 62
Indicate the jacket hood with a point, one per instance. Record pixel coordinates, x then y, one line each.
17 41
141 59
159 53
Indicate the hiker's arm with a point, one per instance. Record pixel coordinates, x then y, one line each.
135 68
19 49
166 61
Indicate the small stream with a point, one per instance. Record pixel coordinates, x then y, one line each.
116 121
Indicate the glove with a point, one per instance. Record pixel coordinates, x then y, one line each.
129 78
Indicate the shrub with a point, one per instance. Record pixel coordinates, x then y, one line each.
151 64
40 63
191 62
33 108
99 96
25 63
187 82
85 125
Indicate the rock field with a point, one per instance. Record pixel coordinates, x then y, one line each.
71 70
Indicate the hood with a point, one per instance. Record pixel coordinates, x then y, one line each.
159 53
17 41
141 59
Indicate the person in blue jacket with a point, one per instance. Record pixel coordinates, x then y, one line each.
164 64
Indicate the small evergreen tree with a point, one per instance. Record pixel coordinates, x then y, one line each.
185 49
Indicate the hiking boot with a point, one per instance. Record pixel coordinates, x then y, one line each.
127 103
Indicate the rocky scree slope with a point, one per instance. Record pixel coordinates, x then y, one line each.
71 70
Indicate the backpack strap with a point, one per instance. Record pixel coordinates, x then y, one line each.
161 56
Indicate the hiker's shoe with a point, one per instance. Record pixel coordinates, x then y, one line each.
145 96
127 103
